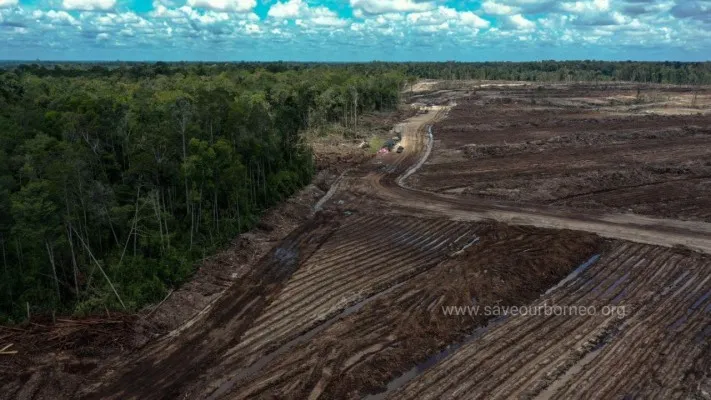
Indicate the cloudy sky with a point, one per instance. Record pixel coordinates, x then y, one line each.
355 30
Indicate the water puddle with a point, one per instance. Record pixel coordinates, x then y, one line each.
420 368
466 246
576 272
462 236
619 297
700 301
615 285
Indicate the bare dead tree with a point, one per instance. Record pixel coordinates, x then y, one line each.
91 255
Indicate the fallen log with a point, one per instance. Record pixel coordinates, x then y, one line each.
5 352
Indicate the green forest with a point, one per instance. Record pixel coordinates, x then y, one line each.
113 183
116 178
669 72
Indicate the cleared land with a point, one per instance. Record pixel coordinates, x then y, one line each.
352 303
658 348
404 325
645 150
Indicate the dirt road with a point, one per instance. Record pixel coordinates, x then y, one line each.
632 227
349 302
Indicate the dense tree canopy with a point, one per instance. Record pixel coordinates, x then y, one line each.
670 72
114 181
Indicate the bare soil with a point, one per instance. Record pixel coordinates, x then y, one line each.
340 148
52 357
364 351
579 148
655 344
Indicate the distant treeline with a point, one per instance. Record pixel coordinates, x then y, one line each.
114 181
570 71
668 72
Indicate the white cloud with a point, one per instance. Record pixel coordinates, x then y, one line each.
695 9
602 5
435 17
445 19
8 3
89 5
443 27
469 18
510 7
586 6
252 29
122 19
304 15
240 6
385 29
206 18
290 9
322 16
494 8
519 22
55 17
601 13
390 6
185 15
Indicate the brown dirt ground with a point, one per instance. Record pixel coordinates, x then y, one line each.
653 344
579 148
52 358
336 152
363 352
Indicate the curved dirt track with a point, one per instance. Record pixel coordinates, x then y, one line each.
636 228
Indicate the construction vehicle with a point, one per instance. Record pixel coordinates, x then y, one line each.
389 144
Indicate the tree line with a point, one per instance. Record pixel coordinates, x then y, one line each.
666 72
115 181
688 73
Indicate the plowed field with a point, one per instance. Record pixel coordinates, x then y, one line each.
578 148
654 344
562 198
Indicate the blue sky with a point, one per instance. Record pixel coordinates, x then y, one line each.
355 30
